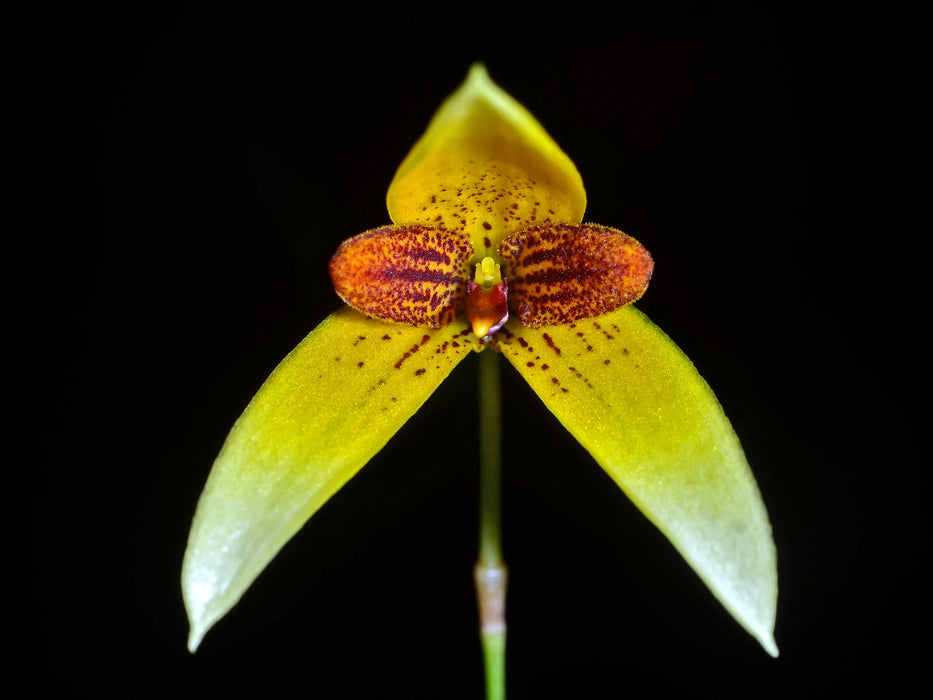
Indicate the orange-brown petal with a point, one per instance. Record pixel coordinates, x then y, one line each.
407 274
561 273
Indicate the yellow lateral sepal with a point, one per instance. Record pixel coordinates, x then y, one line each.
637 404
330 405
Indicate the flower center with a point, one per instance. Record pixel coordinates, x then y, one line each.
487 299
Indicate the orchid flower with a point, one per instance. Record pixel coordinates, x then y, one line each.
486 254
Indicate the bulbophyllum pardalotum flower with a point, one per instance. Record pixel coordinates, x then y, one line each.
486 253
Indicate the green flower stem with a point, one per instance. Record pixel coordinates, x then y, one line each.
490 446
490 574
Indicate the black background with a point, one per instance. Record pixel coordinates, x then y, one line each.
200 162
